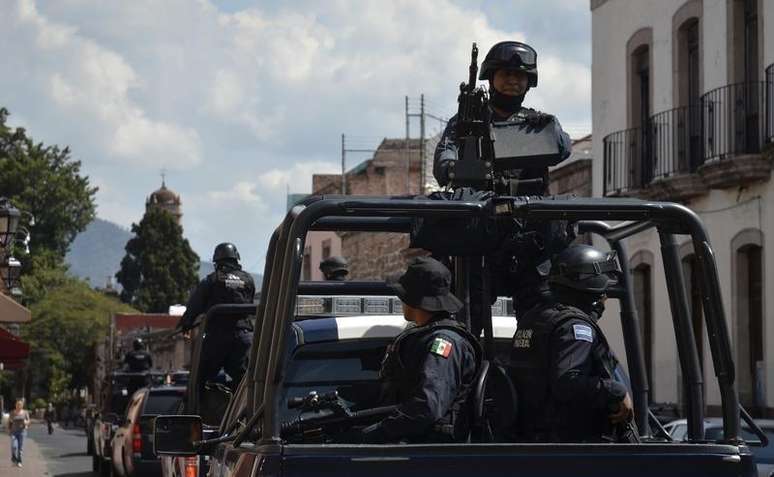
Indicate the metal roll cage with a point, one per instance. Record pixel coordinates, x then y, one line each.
396 214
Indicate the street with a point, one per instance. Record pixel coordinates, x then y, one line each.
62 454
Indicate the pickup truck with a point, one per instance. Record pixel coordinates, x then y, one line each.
263 434
114 398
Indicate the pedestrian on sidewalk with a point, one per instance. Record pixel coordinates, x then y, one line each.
17 427
50 417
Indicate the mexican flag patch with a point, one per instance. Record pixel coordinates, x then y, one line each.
441 347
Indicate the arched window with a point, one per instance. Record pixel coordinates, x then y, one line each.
640 86
745 70
687 81
744 40
749 323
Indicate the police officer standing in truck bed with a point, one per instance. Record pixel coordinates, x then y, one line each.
228 340
511 69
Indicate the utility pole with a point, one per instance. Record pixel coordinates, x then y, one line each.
408 150
343 165
422 166
421 115
344 151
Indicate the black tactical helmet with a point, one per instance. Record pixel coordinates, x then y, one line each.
585 269
225 251
137 344
510 54
334 265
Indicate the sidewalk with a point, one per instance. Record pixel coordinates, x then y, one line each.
34 463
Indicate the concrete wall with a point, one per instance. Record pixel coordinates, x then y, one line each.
726 213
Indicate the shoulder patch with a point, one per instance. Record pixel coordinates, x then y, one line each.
441 347
583 333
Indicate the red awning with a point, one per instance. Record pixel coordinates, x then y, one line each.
13 351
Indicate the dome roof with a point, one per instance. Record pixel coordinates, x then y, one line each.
164 196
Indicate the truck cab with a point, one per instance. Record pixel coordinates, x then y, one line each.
294 354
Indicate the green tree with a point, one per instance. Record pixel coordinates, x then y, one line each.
67 324
159 268
45 181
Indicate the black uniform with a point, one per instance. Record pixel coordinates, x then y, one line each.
228 340
138 361
447 151
429 371
558 361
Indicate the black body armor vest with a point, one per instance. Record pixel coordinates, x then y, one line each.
541 418
399 379
138 361
232 286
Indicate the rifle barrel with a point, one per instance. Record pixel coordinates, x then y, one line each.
473 69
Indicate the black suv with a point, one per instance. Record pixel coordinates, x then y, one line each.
133 441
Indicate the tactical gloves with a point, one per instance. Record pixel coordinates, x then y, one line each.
536 120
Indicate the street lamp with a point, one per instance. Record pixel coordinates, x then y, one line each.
11 272
9 220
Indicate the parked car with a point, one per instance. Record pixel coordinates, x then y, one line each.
713 431
132 445
114 397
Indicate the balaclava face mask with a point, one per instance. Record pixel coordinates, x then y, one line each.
504 102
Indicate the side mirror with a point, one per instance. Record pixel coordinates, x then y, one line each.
177 435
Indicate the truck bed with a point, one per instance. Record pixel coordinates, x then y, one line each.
592 460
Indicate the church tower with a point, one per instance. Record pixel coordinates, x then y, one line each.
165 199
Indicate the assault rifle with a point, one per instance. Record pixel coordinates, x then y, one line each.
325 417
491 155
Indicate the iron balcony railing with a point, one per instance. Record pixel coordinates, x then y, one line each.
733 119
770 103
624 169
677 141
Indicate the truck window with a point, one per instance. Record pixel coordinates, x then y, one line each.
323 367
162 403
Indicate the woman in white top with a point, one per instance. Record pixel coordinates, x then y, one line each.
17 426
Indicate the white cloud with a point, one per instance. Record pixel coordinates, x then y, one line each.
94 84
242 191
298 177
246 103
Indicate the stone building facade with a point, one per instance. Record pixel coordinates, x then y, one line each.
682 101
393 170
573 175
374 256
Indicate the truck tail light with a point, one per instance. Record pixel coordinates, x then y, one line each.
136 439
191 467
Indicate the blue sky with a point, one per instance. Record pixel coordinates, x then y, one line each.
242 100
